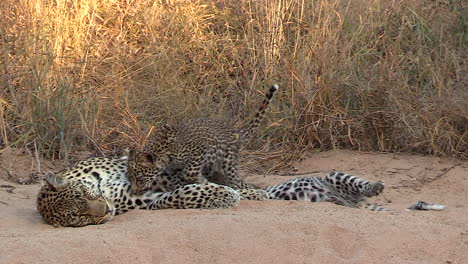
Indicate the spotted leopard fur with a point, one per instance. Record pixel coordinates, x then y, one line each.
96 189
338 188
196 151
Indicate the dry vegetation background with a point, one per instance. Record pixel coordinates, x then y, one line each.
387 75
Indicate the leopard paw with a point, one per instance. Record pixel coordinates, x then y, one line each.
375 189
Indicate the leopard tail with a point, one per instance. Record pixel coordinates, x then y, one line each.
419 205
423 206
250 127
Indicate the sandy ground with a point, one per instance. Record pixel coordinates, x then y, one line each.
258 232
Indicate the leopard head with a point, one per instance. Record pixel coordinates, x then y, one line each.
143 169
62 202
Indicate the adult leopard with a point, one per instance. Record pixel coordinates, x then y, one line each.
96 189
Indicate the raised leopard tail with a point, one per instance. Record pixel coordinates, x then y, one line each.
250 127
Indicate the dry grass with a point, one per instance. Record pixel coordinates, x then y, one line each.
385 75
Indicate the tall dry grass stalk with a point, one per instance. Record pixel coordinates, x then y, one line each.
386 75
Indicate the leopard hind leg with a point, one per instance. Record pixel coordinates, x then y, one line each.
352 185
230 168
315 189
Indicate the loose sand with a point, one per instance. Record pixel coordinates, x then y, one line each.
257 232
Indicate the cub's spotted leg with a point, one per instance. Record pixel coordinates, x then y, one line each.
212 168
230 168
352 185
209 196
232 179
246 191
231 176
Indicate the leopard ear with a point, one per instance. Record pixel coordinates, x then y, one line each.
130 153
55 180
126 153
147 159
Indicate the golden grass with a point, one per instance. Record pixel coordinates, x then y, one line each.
385 75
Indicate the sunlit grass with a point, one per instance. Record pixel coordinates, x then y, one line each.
369 75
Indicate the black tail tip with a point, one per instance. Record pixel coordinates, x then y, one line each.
420 205
274 88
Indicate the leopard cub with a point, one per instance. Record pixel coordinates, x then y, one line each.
195 151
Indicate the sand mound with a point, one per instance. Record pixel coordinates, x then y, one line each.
267 231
